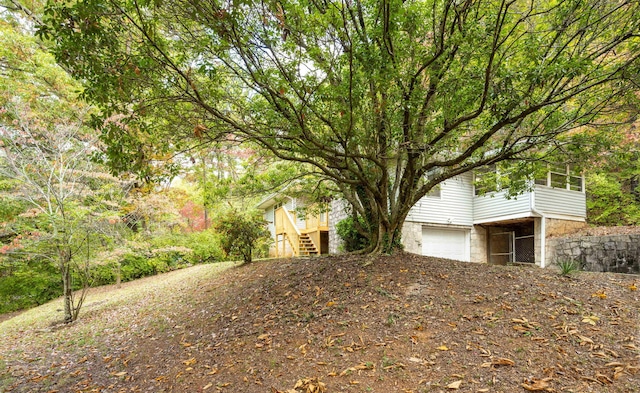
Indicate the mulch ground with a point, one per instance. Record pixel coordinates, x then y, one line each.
401 323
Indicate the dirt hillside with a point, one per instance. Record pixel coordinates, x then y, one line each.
400 323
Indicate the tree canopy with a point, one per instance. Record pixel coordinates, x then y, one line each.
382 98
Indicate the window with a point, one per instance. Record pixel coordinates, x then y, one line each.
435 192
486 180
562 176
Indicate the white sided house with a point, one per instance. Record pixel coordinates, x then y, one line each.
456 221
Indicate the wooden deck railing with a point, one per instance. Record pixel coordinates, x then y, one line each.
314 222
285 224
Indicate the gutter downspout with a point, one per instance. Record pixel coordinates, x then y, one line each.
543 229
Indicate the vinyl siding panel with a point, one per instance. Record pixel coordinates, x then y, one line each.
269 217
454 207
495 205
550 200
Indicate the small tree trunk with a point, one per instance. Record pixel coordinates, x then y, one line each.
67 290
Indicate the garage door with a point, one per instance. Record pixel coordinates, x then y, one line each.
446 243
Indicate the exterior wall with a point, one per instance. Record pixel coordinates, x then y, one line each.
269 216
558 227
337 212
537 240
554 228
495 206
412 237
454 207
552 201
617 253
457 207
479 244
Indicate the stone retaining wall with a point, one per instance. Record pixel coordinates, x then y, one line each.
613 253
337 212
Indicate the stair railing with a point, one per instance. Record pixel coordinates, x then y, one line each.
289 228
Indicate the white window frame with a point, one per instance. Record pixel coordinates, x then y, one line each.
568 174
493 168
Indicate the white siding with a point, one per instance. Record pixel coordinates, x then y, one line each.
454 207
289 203
269 217
551 201
495 206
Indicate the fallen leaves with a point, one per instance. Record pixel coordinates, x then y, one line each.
189 362
537 385
590 319
454 385
524 326
498 362
348 344
358 367
599 294
305 385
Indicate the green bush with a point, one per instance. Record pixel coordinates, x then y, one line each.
206 247
242 234
104 274
352 240
135 266
30 284
29 287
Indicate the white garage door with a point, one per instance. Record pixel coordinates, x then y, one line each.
446 243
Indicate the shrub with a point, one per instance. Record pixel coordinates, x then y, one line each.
242 234
136 266
352 240
205 247
568 267
104 274
29 286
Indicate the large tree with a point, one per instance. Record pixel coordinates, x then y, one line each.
384 98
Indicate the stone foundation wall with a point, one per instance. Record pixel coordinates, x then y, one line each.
557 227
412 237
615 253
479 244
337 212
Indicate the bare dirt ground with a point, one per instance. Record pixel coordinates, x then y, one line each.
401 323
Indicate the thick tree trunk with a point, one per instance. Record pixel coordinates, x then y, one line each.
386 233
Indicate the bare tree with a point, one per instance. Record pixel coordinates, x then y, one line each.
50 163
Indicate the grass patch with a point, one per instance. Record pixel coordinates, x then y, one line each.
101 301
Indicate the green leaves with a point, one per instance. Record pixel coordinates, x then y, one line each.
372 95
241 233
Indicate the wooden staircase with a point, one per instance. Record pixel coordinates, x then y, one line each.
306 245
